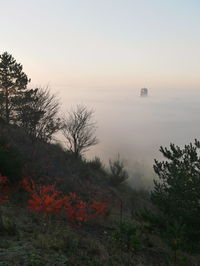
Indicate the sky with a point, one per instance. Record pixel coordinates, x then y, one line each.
100 53
104 43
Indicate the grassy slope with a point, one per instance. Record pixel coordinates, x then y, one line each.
27 239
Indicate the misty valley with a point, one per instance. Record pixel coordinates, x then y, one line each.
113 179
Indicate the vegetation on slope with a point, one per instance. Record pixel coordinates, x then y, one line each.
57 208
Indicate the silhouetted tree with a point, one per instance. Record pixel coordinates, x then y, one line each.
118 173
177 193
13 83
10 161
79 130
38 114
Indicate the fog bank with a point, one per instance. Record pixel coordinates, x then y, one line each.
136 127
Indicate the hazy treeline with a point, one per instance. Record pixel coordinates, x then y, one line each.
36 110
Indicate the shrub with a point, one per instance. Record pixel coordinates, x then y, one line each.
8 226
118 173
127 236
10 162
96 164
46 200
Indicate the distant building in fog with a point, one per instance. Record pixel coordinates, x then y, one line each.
144 92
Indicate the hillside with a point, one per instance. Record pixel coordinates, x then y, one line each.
104 228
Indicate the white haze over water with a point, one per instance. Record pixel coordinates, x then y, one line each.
136 127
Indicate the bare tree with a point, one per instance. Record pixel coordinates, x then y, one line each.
38 114
79 130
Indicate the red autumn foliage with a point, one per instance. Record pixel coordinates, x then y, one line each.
48 200
98 207
28 184
78 210
75 208
45 199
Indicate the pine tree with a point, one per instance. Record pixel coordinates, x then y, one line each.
13 83
177 192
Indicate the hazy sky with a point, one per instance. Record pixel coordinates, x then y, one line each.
104 43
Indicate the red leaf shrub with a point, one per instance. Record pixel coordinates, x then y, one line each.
48 200
78 210
44 199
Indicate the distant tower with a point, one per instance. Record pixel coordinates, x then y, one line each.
144 92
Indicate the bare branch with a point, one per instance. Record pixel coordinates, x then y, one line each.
79 130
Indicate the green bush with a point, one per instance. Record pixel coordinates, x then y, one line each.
127 236
10 162
7 226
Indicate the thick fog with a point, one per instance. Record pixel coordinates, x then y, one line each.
136 127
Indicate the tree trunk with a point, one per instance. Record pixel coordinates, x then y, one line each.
7 107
